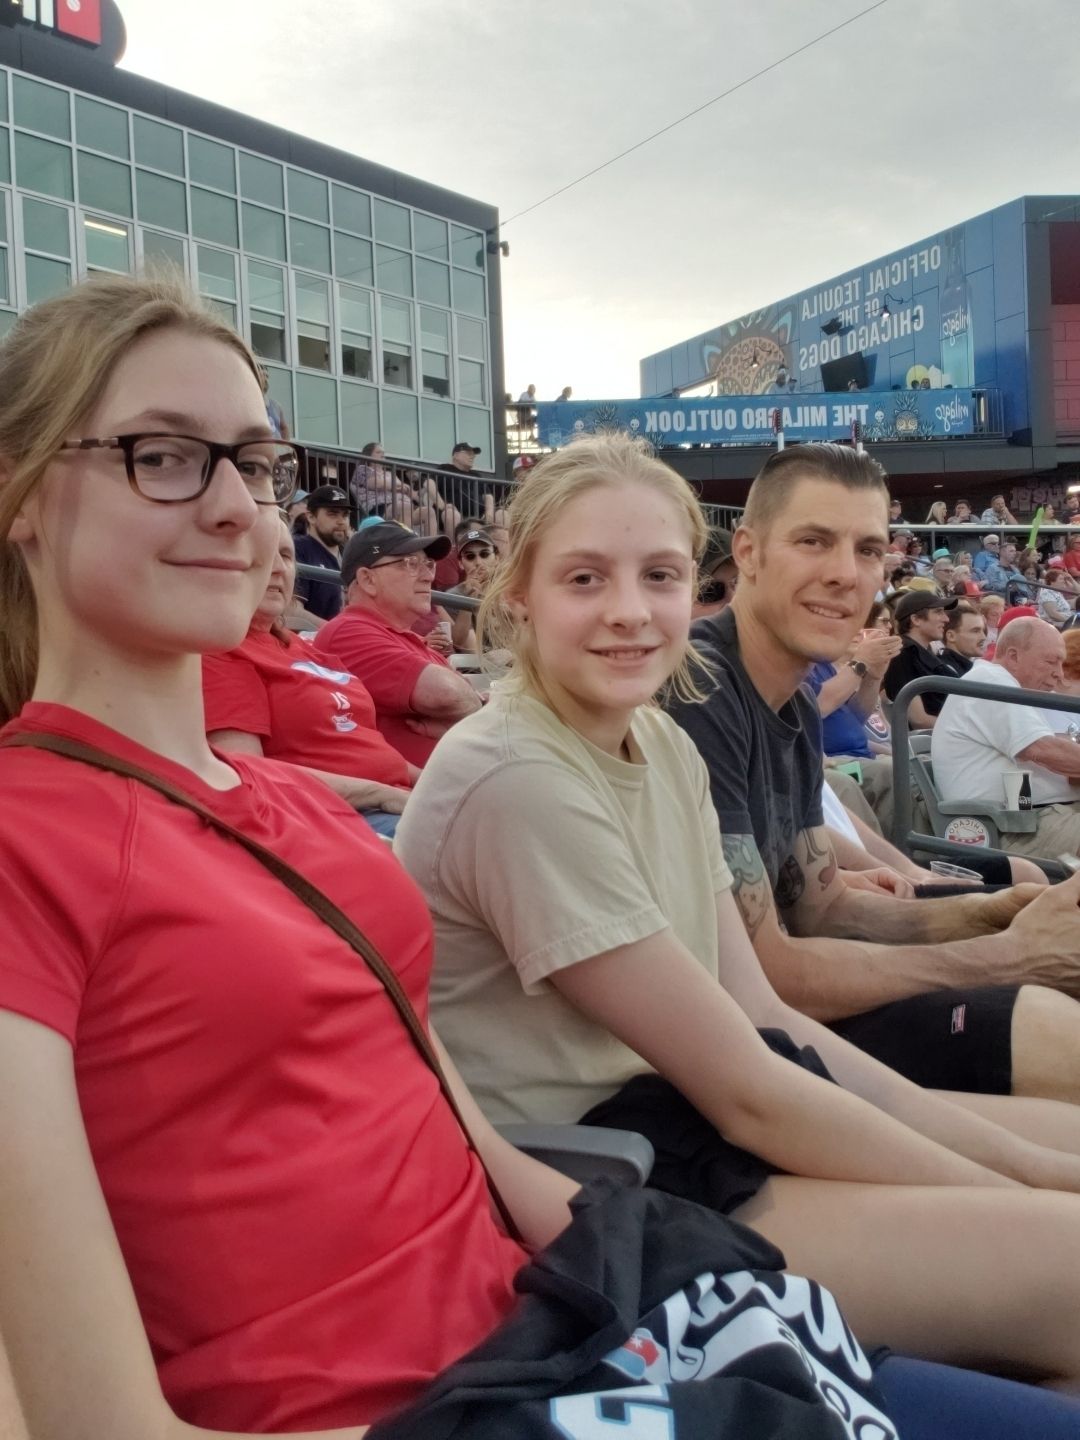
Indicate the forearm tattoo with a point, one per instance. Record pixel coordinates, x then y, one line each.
750 885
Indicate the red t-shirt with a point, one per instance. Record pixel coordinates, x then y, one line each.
301 710
308 1237
1072 561
389 662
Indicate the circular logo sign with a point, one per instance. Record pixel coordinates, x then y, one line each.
966 830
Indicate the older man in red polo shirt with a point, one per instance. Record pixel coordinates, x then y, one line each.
386 572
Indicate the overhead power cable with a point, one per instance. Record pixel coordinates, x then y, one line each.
741 84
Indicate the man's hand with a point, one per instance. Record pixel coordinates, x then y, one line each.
875 651
881 881
1046 935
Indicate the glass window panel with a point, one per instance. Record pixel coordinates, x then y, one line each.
280 389
266 286
352 210
397 365
3 95
41 165
469 293
432 281
309 196
161 201
437 419
434 373
262 180
312 346
473 426
352 259
268 335
309 244
316 409
45 277
434 328
5 288
42 107
107 245
355 309
163 249
396 321
213 217
212 164
392 224
312 300
470 338
356 356
46 227
264 232
159 146
3 221
471 381
102 127
431 239
393 270
224 310
104 184
217 273
7 320
401 433
467 247
5 158
359 415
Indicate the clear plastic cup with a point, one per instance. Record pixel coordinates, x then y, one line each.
953 872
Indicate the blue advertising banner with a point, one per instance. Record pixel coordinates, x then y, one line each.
749 419
946 313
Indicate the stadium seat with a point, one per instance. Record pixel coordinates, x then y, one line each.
947 816
585 1152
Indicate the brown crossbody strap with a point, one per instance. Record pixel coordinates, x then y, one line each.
302 888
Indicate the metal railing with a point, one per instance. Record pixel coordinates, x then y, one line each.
904 836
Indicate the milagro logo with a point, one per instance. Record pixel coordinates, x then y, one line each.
77 19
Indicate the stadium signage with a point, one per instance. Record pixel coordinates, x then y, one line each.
73 19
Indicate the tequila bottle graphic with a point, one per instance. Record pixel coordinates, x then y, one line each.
957 347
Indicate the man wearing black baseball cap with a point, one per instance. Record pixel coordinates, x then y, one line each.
461 493
386 572
920 619
327 532
717 575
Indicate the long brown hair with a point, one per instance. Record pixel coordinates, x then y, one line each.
54 367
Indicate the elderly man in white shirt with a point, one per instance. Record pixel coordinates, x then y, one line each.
976 742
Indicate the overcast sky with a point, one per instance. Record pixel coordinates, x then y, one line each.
922 113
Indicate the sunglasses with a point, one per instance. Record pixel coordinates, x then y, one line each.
485 554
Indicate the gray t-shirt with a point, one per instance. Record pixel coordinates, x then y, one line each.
765 766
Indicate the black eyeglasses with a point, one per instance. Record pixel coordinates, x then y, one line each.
171 469
477 554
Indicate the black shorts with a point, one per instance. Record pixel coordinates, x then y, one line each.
693 1160
945 1040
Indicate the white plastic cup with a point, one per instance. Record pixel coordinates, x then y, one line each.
1012 782
948 871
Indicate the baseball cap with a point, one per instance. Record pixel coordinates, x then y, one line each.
944 553
717 549
472 536
991 540
913 602
374 542
524 462
1017 612
1056 562
327 495
464 445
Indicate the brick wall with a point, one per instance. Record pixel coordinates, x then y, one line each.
1065 340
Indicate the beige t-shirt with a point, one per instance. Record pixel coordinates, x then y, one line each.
535 850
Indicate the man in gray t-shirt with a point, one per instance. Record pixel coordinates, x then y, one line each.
933 988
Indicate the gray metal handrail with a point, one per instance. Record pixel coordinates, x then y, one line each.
904 837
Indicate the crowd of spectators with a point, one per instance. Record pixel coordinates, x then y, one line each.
238 1195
